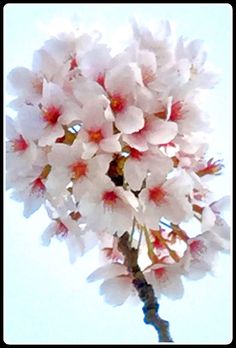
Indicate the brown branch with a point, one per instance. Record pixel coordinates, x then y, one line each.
145 290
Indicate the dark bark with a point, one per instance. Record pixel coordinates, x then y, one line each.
145 290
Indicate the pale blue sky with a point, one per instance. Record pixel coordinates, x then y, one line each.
46 299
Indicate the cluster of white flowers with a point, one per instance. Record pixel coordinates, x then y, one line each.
110 144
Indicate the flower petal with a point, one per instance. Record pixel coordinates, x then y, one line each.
50 135
220 205
208 219
31 122
130 121
48 233
162 132
120 79
89 150
75 246
11 132
136 140
134 173
44 64
111 144
52 94
116 290
108 271
32 204
19 81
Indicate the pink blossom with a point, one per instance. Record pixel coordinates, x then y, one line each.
166 280
31 191
45 123
117 283
110 143
97 132
120 83
165 198
22 153
154 132
108 208
141 163
68 165
199 257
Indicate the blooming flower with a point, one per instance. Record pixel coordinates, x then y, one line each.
199 256
140 163
30 190
26 85
68 165
117 284
66 229
165 198
22 153
97 132
187 115
108 208
166 280
47 120
120 82
194 52
154 132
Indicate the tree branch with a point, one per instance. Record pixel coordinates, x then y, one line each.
145 290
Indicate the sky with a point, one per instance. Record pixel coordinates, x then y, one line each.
46 299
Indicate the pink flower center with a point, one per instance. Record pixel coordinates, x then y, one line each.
160 273
157 195
95 136
38 187
20 144
176 111
60 139
61 229
197 247
135 154
118 103
110 198
158 244
51 114
73 63
100 79
79 169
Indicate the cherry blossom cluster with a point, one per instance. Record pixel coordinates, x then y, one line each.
114 143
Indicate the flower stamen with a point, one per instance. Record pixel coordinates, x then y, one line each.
79 169
118 103
157 195
51 114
